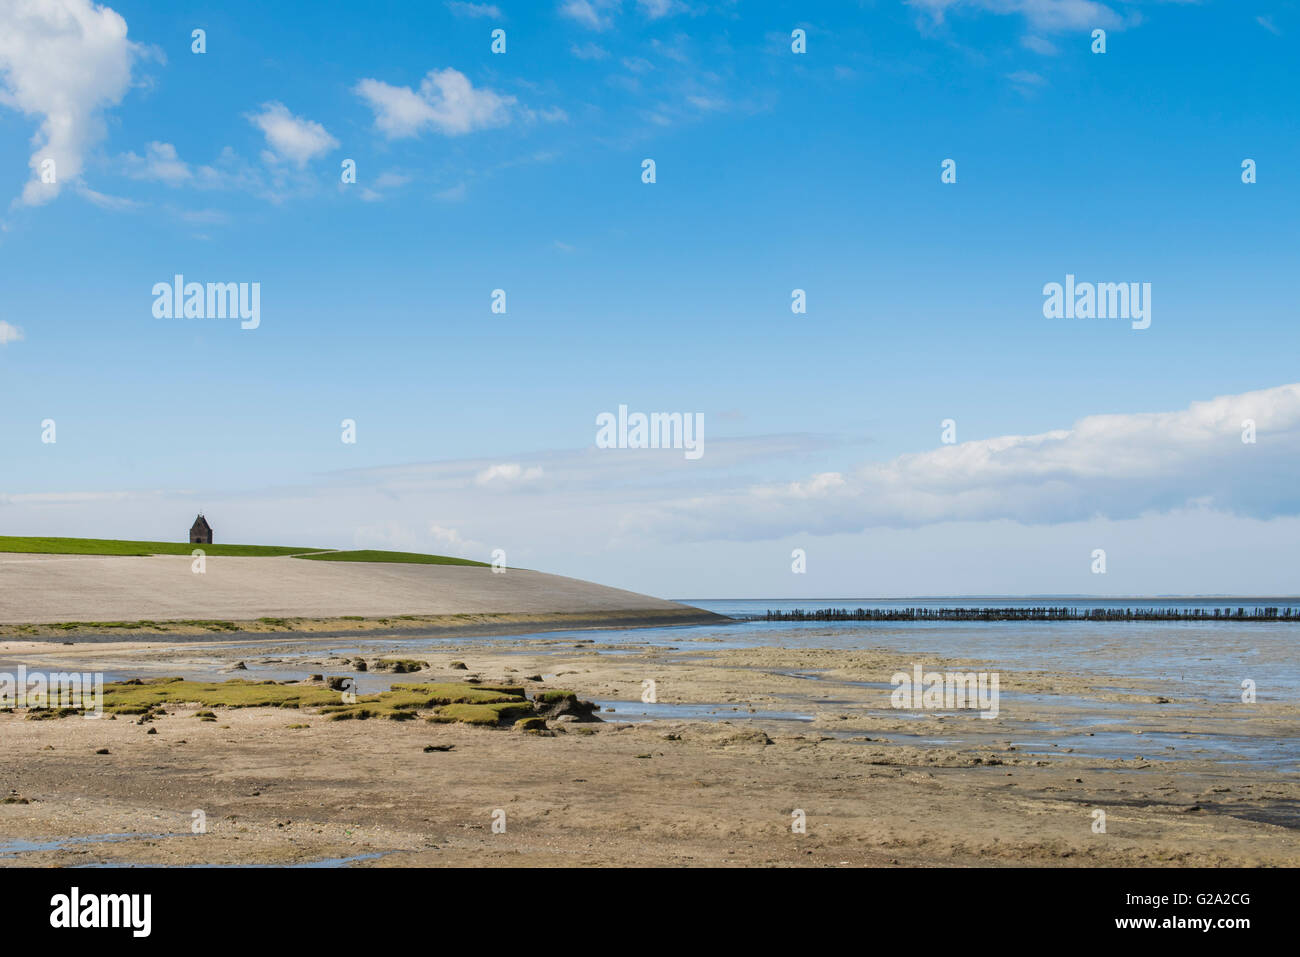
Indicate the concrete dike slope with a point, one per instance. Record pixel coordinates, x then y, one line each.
56 588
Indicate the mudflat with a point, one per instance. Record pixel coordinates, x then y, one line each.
740 746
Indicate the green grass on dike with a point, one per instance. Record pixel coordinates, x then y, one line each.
109 546
407 558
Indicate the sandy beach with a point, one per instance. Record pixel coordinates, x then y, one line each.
712 773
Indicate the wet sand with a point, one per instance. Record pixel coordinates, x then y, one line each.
709 774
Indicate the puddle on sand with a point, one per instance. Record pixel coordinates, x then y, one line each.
805 675
337 861
324 862
636 711
11 848
17 847
1074 724
1166 746
1282 812
1151 747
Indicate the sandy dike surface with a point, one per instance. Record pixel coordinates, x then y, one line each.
36 589
739 741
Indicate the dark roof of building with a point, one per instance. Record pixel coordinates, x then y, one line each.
200 522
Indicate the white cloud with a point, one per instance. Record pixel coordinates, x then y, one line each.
292 137
678 48
446 102
1267 24
589 51
654 9
450 540
461 9
1046 15
65 498
709 104
511 473
65 61
592 14
388 535
105 201
229 171
406 536
1105 466
161 163
390 179
9 333
1026 78
448 535
1038 45
204 217
553 114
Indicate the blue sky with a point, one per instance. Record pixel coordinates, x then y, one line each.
775 171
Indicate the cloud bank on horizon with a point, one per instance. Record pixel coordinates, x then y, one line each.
1231 454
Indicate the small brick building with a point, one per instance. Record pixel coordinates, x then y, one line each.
201 531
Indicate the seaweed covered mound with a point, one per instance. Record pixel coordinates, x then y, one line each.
441 702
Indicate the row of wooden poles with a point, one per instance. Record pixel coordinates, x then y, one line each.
1040 613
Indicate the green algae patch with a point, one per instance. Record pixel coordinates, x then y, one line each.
141 696
397 705
452 701
559 703
441 702
144 624
553 697
501 712
456 692
44 714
